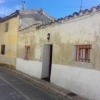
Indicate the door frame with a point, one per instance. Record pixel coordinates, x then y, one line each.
50 63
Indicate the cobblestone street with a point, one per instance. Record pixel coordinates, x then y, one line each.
15 87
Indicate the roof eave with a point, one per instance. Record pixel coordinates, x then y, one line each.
15 14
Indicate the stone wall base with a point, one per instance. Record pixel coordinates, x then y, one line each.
7 66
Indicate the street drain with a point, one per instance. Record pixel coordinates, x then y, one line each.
71 94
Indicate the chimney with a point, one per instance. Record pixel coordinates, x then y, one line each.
23 5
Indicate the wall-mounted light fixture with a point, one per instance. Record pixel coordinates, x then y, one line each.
48 37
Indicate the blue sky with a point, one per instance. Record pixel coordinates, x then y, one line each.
55 8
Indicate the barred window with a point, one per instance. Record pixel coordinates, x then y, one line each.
2 49
83 53
27 51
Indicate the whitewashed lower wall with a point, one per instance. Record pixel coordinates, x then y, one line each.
82 81
85 82
32 68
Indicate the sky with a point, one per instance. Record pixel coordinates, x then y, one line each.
54 8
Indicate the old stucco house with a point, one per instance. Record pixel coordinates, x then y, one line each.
9 39
66 50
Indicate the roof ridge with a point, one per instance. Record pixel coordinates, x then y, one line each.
75 14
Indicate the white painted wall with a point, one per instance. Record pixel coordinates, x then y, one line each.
32 68
85 82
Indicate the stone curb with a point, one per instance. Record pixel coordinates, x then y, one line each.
59 90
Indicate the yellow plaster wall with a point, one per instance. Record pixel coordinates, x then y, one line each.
9 39
64 36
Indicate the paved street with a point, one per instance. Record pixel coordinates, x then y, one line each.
17 87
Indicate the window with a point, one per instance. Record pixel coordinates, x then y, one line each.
27 51
2 49
6 27
83 53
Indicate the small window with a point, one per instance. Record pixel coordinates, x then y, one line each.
2 49
27 52
6 27
83 53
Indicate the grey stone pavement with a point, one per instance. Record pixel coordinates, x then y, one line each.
15 85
